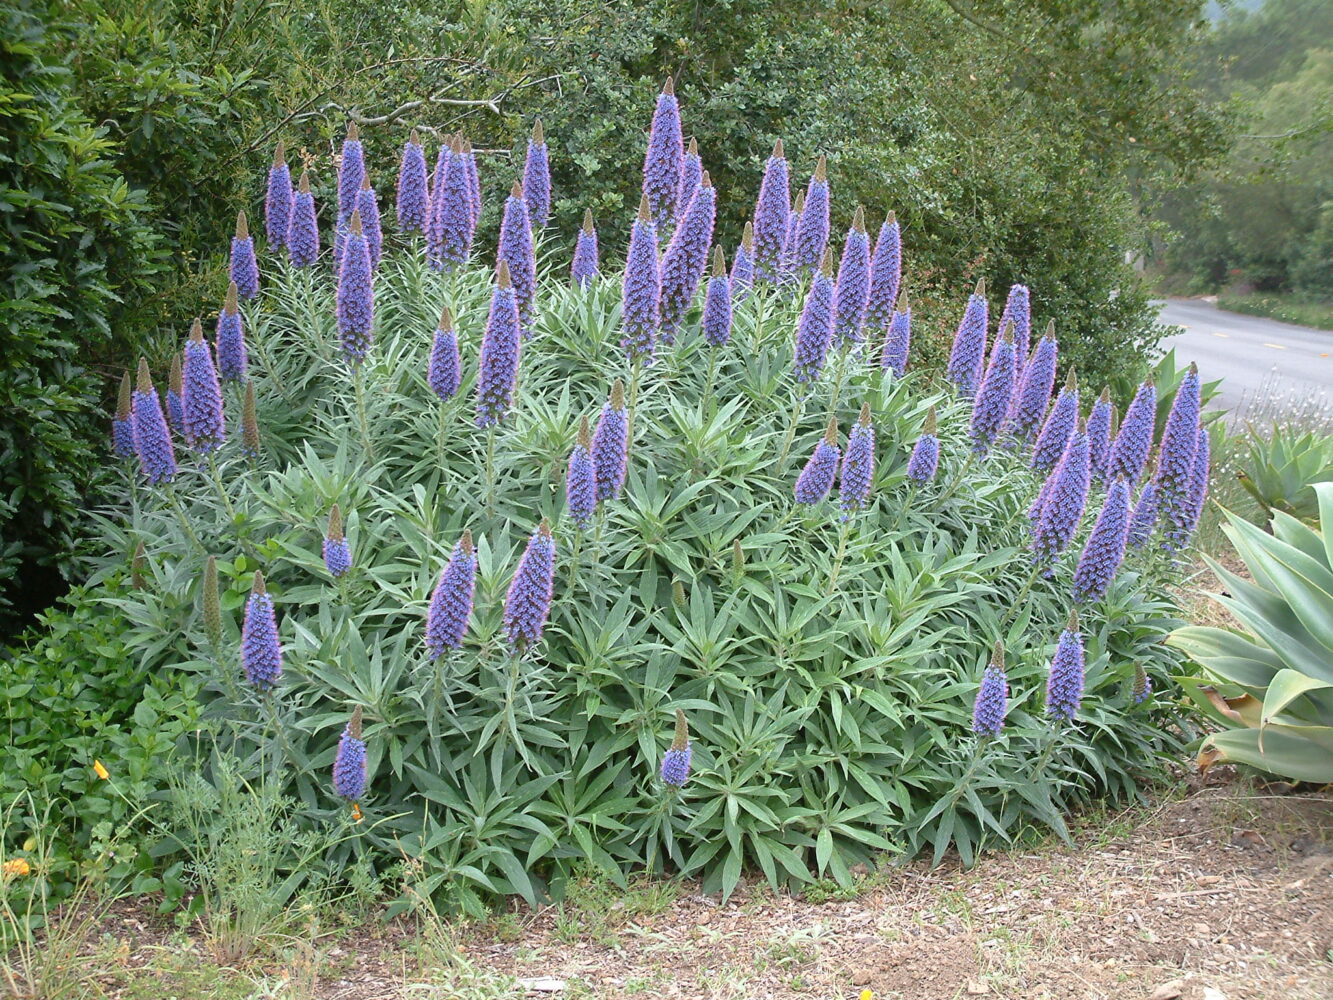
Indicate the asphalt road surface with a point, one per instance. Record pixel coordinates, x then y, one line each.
1266 367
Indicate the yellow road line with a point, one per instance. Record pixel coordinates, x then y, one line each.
1276 347
1224 336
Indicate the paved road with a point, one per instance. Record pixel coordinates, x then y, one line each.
1263 364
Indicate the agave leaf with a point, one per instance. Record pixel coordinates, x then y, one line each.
1286 687
1306 585
1290 753
1324 491
1228 656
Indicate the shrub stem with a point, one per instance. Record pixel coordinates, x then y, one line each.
358 380
796 413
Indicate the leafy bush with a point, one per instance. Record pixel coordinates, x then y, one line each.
1275 702
1280 471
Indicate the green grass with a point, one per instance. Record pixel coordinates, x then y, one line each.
1287 308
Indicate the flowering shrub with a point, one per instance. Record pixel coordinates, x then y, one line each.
657 643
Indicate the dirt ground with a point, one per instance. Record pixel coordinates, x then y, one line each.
1222 890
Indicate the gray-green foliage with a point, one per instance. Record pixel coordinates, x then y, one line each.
830 721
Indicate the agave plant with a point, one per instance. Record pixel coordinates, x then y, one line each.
1281 470
1271 687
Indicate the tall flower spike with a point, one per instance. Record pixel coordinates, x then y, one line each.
435 205
244 269
337 554
886 270
443 372
517 250
858 464
691 172
814 331
473 183
451 601
278 199
1059 426
1105 548
898 341
581 479
742 267
1034 388
349 761
787 262
676 761
610 445
1018 315
771 212
1129 453
686 259
1099 434
249 424
152 438
211 602
853 289
925 460
992 696
528 603
205 425
583 271
175 409
351 169
497 369
816 479
139 567
813 230
537 178
122 425
992 402
717 303
641 291
1064 684
261 652
1066 496
303 235
1178 534
449 236
1142 684
664 159
356 295
967 359
413 196
368 207
1175 459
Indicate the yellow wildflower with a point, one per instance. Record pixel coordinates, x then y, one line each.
101 771
356 813
867 995
16 866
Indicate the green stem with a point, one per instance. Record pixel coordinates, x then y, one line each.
1022 594
222 489
180 514
262 350
441 436
957 480
796 413
843 532
836 396
712 374
358 379
574 561
633 401
490 470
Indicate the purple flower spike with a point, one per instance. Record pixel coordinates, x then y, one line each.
349 761
581 479
1143 521
261 653
449 235
356 295
233 360
500 345
584 270
816 479
676 761
898 341
992 402
413 196
1034 389
201 402
1105 549
664 160
886 269
610 445
278 199
1059 426
691 172
369 208
853 288
858 464
537 178
451 601
303 236
175 408
516 249
434 206
351 170
244 269
1142 684
1175 459
787 262
122 425
443 374
771 212
1064 684
717 303
528 603
1065 497
152 438
812 231
967 359
1018 315
925 460
992 696
815 329
337 554
686 259
1129 453
1179 531
641 291
1099 434
473 183
742 268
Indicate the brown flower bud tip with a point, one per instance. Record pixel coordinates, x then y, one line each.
544 529
304 184
538 135
864 418
517 190
981 287
354 223
587 220
1083 425
859 219
353 133
249 419
123 401
747 237
414 137
1072 624
705 180
644 213
145 380
1050 329
1147 382
456 145
903 306
997 654
1194 368
365 181
336 523
242 226
465 543
932 422
827 265
719 262
197 331
1105 397
681 739
821 169
467 147
354 724
230 305
693 149
831 434
777 150
798 206
669 88
502 274
618 395
1071 383
446 319
280 154
258 586
175 377
891 218
585 436
1008 337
